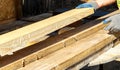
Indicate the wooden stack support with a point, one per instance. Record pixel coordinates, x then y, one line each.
75 46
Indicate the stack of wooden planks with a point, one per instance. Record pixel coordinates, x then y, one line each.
55 53
31 34
83 45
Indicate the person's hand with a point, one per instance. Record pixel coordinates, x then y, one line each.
88 5
114 25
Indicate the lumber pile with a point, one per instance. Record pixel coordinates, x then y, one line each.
69 55
83 47
31 34
78 51
63 51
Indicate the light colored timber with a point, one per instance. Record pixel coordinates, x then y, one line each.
13 66
86 61
108 56
72 54
26 36
85 29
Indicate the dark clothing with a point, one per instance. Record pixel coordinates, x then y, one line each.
35 7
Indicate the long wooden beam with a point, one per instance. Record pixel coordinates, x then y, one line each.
86 61
29 35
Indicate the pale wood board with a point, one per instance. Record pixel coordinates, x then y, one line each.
13 66
23 37
86 61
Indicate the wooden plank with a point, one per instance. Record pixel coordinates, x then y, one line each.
12 42
31 56
68 56
107 56
14 66
29 59
50 49
86 61
69 41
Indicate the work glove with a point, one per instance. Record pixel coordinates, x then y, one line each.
114 25
92 4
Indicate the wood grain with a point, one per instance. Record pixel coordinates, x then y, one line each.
26 36
66 40
68 56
